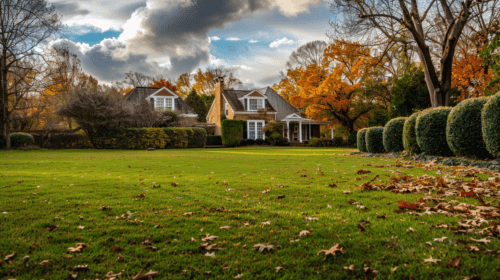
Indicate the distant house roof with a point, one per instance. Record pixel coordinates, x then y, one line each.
232 97
141 93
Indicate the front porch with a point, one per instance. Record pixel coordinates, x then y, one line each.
299 130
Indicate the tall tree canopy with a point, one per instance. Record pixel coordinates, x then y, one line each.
204 80
432 27
332 91
24 26
196 103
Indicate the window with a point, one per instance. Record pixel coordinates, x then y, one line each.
255 130
162 104
255 104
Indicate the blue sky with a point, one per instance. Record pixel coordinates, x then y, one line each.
170 37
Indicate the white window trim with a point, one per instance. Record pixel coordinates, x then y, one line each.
165 102
255 121
256 98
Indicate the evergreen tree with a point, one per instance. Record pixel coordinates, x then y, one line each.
410 93
196 103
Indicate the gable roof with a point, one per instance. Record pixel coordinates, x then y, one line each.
284 108
141 93
232 97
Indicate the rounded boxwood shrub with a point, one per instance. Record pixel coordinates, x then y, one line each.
374 139
393 135
431 131
21 139
361 140
490 123
409 135
260 142
463 129
315 142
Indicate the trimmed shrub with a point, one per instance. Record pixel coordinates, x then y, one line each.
361 137
17 139
393 135
375 139
178 137
463 129
232 132
410 136
247 142
353 137
61 140
431 131
214 140
260 142
315 142
273 131
198 139
338 141
490 122
131 138
282 141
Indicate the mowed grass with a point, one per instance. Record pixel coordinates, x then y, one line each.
38 186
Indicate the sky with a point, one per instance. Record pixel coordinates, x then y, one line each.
254 38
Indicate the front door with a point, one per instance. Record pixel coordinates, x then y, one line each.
304 132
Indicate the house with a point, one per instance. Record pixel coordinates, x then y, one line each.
161 99
258 107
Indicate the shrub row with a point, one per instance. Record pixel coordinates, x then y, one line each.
214 140
17 140
159 138
470 129
232 132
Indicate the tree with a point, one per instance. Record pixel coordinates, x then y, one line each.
333 90
137 79
433 28
307 54
24 26
410 93
184 84
144 116
161 82
94 111
196 103
204 80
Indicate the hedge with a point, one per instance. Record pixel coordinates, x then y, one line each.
409 135
214 140
232 132
393 135
17 140
132 138
374 139
362 140
247 142
490 123
197 136
179 137
463 129
431 131
61 140
315 142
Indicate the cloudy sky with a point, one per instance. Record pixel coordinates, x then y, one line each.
171 37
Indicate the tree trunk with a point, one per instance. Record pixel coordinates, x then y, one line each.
4 99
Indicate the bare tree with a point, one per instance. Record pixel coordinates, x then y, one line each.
137 79
204 80
24 25
432 27
144 116
307 54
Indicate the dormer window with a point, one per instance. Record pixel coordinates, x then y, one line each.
163 103
255 104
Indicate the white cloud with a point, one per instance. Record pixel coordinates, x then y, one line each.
233 39
253 41
214 38
279 42
294 7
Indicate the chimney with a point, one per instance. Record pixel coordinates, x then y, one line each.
219 88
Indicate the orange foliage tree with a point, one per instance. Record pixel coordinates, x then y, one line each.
470 73
332 91
163 83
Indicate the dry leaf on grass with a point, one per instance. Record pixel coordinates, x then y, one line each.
207 254
332 251
305 233
209 238
10 257
265 223
188 214
113 276
363 171
225 227
278 268
484 240
52 228
120 258
262 247
45 263
431 260
81 267
78 248
442 239
455 262
346 192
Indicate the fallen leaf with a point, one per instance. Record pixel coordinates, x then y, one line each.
78 248
332 251
431 260
305 233
278 268
81 267
455 262
262 247
363 171
484 240
207 254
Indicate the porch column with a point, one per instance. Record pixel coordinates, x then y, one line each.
309 131
332 132
288 130
300 131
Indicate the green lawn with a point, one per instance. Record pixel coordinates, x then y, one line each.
201 192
